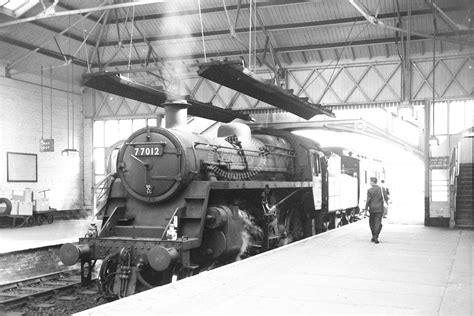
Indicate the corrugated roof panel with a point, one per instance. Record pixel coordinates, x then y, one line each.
33 64
29 35
320 36
174 25
74 4
167 26
187 20
171 7
297 58
424 24
170 50
306 12
215 21
375 50
311 56
382 7
222 44
11 52
282 38
328 55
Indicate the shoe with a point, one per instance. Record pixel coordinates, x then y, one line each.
373 239
376 241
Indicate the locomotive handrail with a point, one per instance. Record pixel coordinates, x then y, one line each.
279 147
101 182
105 231
282 154
146 143
178 209
100 190
290 154
225 147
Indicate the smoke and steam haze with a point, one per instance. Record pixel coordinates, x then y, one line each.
403 170
250 234
175 25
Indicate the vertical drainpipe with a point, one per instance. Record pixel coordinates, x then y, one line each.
426 155
408 56
82 150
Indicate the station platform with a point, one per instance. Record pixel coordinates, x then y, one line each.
414 270
58 232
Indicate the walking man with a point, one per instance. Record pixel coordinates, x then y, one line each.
374 204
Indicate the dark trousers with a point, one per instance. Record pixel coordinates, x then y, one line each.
375 222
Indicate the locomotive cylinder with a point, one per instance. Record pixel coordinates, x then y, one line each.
223 234
216 217
70 253
160 258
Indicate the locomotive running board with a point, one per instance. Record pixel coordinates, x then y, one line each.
233 75
228 185
124 87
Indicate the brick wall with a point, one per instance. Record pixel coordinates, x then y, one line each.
20 265
20 131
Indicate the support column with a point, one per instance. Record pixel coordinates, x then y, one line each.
88 111
426 154
407 59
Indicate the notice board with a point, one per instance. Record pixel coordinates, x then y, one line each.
22 167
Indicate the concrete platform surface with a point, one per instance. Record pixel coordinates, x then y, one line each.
59 232
415 270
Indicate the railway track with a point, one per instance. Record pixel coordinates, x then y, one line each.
55 293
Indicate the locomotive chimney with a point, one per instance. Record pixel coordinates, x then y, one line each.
176 114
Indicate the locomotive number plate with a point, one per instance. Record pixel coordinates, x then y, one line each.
148 151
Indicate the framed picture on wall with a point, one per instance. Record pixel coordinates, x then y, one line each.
22 167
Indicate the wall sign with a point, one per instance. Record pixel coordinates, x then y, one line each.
46 145
439 162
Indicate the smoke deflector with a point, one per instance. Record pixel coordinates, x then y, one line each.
233 75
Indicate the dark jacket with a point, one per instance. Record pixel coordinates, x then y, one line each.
386 193
375 200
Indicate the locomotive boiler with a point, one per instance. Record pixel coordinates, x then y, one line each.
180 203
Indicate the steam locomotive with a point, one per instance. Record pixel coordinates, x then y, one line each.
180 203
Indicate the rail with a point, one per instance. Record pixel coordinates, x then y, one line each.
48 294
16 293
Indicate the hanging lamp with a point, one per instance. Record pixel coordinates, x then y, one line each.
68 150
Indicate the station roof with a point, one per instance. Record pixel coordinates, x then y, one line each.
155 42
162 36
